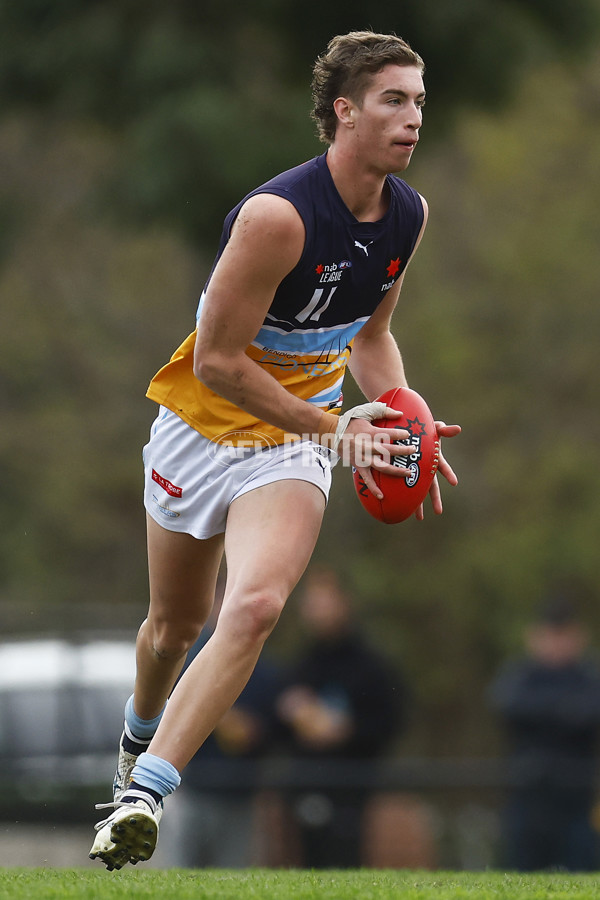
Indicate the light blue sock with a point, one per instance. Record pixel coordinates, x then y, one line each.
155 773
140 728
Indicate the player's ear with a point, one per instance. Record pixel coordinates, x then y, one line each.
344 110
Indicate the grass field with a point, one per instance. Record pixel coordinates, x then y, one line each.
256 884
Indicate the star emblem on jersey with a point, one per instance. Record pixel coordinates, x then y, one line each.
319 268
393 267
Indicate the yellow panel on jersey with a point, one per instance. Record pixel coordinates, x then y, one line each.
312 377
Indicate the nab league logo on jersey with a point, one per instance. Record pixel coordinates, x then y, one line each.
332 272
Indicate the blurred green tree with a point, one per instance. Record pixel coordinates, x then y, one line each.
208 98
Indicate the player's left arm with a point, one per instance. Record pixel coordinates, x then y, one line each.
376 365
376 362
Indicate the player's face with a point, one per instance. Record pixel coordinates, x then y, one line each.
388 120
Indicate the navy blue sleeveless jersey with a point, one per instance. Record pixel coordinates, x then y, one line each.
305 341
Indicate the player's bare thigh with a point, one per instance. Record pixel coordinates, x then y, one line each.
182 573
270 536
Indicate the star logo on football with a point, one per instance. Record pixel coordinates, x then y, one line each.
416 428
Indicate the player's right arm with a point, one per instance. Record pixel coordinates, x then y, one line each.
266 243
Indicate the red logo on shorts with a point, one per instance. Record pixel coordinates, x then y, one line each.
166 485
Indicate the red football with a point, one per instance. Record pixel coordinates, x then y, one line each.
402 496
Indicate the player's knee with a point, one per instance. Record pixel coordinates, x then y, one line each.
255 615
171 641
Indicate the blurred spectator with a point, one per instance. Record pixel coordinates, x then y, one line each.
342 704
214 813
550 705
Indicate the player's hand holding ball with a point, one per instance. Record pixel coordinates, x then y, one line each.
372 440
401 457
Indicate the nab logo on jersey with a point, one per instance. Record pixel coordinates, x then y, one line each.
333 271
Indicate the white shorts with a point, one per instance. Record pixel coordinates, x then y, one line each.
190 482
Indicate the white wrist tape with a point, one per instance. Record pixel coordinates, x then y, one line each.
368 411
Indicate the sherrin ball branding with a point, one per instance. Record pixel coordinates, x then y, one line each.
403 494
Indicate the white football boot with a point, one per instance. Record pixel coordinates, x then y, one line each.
130 833
125 763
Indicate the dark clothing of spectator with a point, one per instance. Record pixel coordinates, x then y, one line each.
342 707
552 719
348 675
